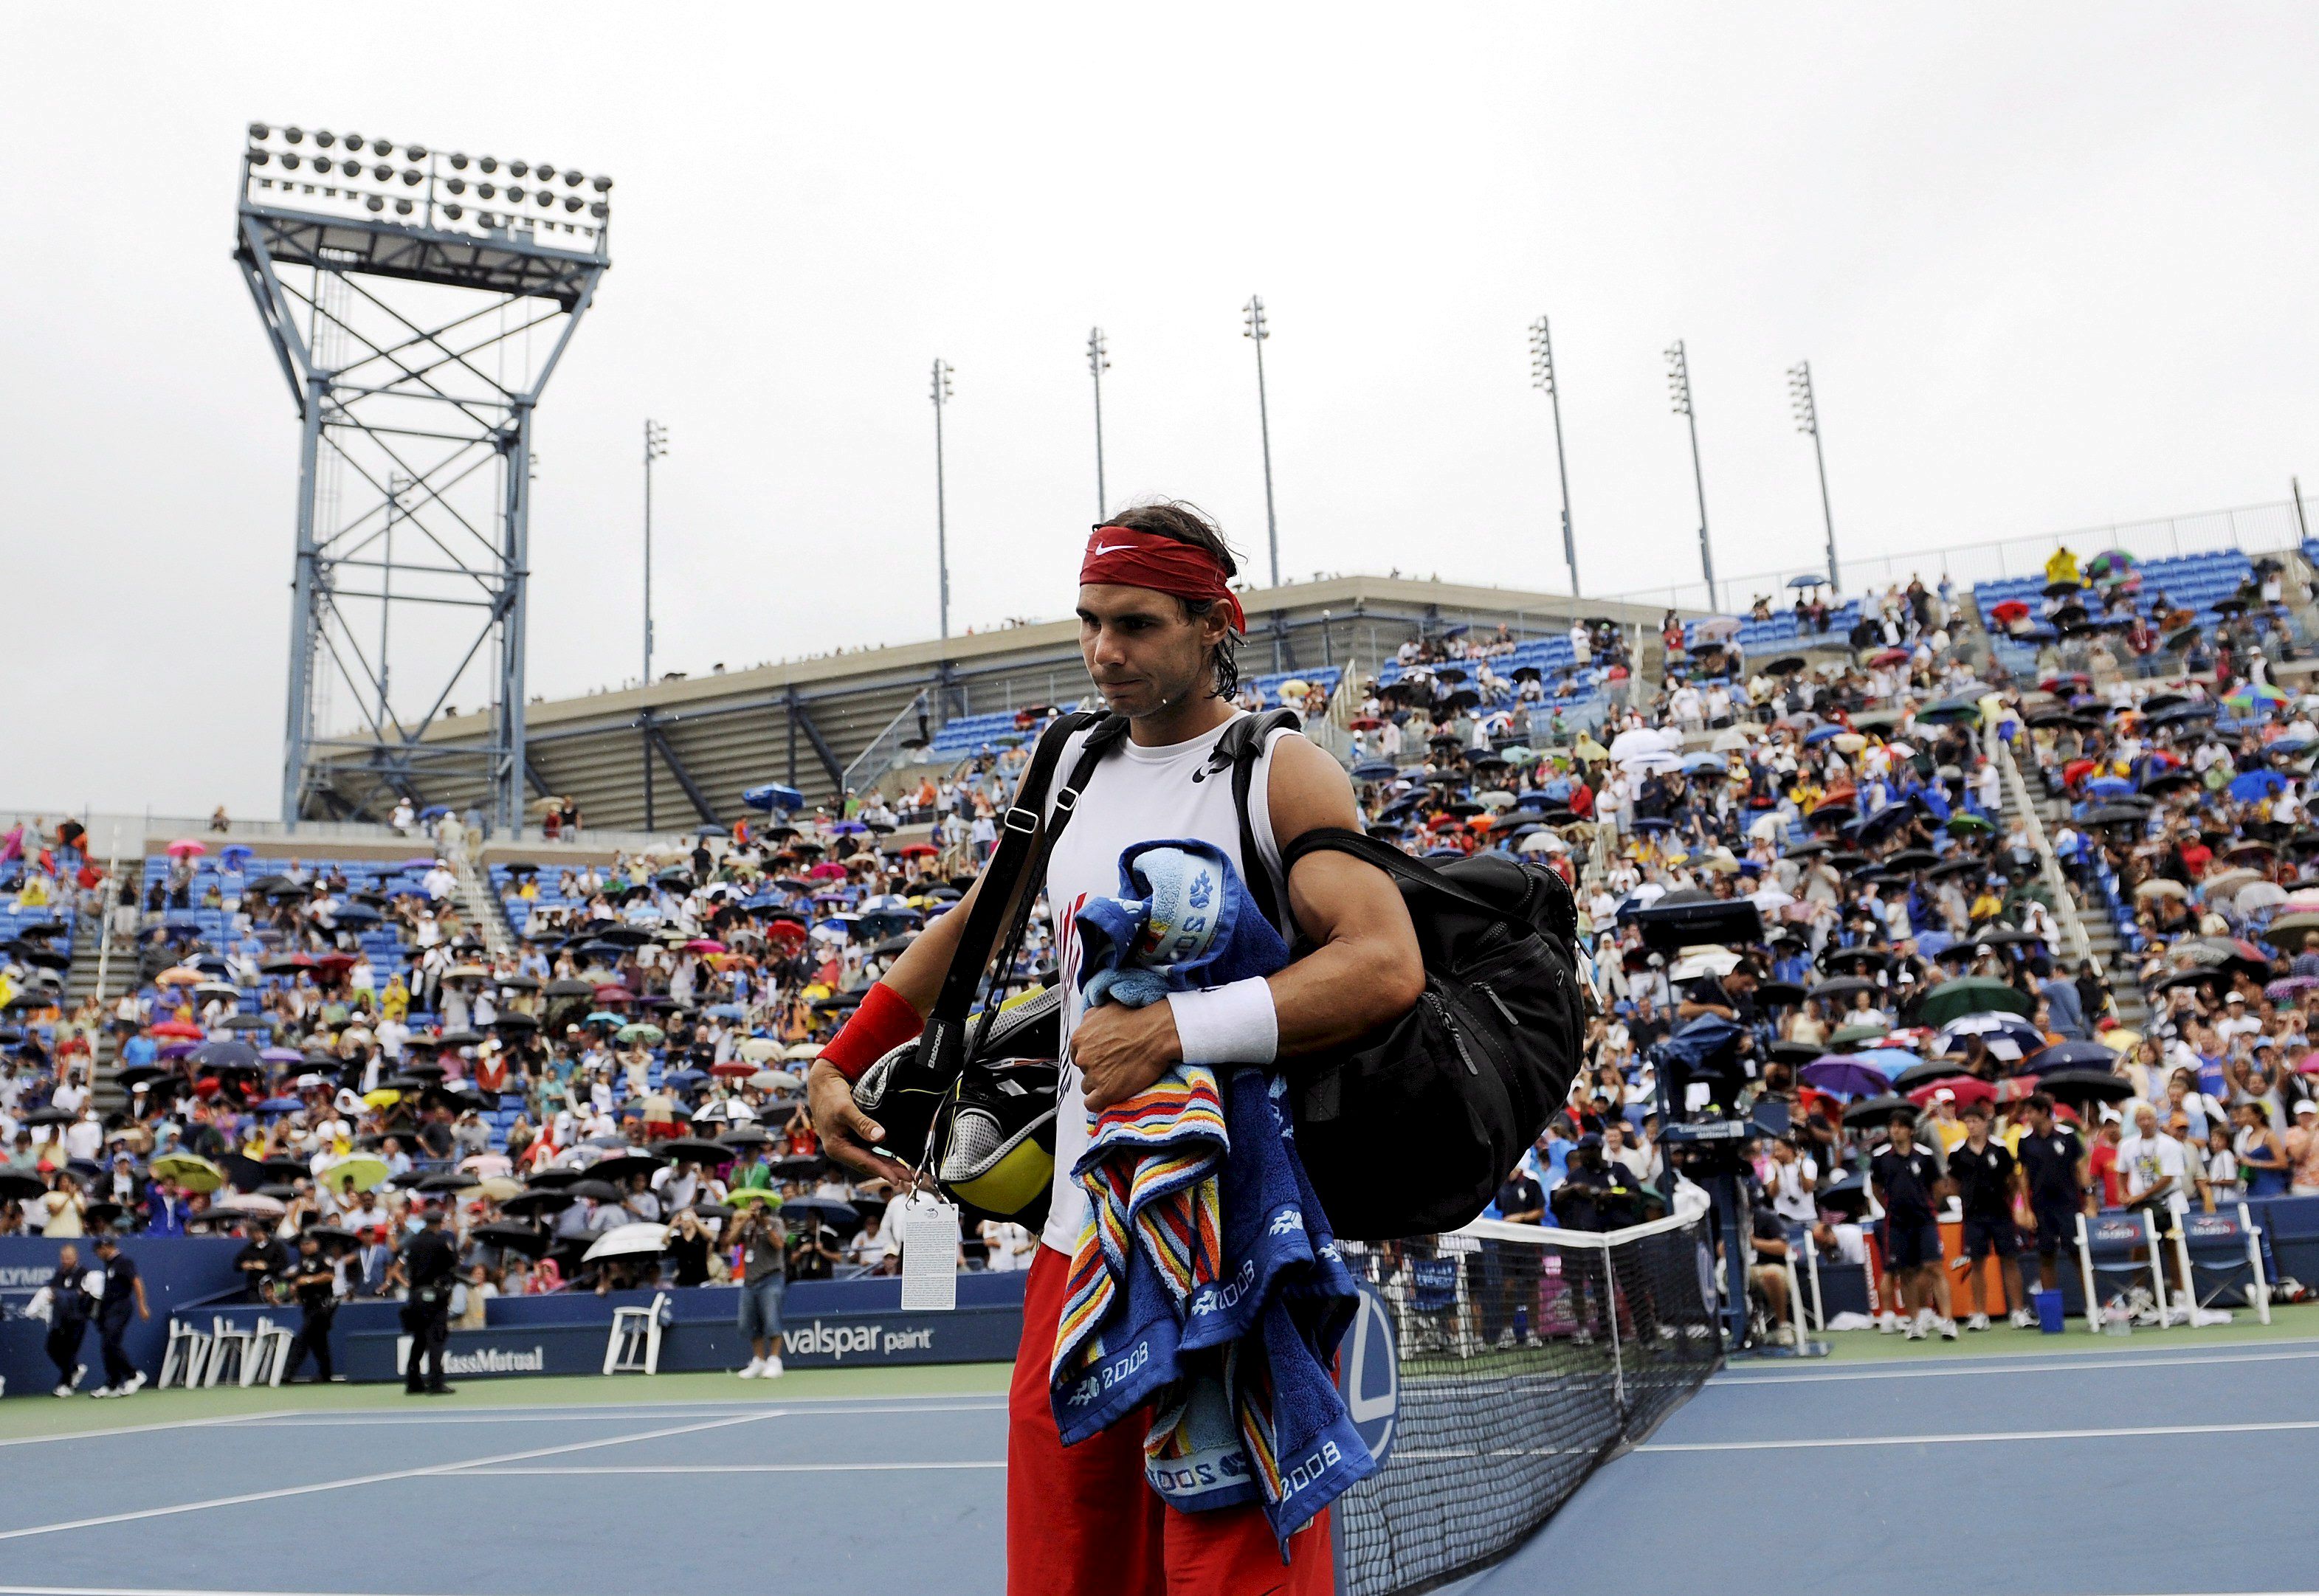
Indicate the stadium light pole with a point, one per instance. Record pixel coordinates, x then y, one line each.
1098 363
656 446
1541 375
1807 408
942 396
1254 328
1679 394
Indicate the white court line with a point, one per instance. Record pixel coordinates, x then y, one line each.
730 1468
2048 1363
599 1416
93 1435
1978 1437
377 1479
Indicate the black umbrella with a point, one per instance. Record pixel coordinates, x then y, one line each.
557 1176
528 1240
568 989
1844 987
515 1023
2085 1086
16 1185
446 1180
538 1200
695 1149
839 1216
1876 1111
800 1166
1848 1196
596 1190
747 1136
622 1166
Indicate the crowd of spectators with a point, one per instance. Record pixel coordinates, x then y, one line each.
605 1090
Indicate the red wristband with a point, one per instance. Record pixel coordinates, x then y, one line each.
884 1021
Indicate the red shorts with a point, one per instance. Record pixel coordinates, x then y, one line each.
1082 1520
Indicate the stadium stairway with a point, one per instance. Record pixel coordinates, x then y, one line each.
481 908
2101 936
81 983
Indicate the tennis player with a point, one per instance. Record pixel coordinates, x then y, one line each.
1159 624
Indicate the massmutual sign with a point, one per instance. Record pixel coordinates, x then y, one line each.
472 1361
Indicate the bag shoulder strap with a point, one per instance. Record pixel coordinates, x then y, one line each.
1018 828
1241 745
1397 864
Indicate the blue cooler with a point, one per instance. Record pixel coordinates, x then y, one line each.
2050 1317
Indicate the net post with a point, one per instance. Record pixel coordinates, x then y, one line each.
1618 1351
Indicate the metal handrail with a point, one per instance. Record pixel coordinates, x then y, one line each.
880 749
2048 868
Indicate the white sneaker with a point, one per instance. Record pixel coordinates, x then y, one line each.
101 1392
1913 1333
1948 1330
756 1367
1924 1321
136 1384
771 1369
2022 1318
1978 1322
1887 1322
64 1391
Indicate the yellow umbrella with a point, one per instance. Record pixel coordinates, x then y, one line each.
1849 741
359 1173
1296 687
499 1189
385 1097
2121 1039
753 1193
1588 749
189 1170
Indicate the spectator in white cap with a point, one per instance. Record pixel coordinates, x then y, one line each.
2302 1150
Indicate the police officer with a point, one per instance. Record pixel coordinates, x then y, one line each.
124 1294
315 1281
68 1309
429 1262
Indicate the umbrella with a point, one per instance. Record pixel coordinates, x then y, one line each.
650 1035
695 1149
227 1055
187 848
2070 1055
1876 1111
1844 1074
837 1215
359 1173
2161 887
636 1240
529 1239
2085 1086
189 1170
2252 697
1965 1088
1808 580
1972 994
623 1166
538 1200
2255 785
595 1191
772 796
2007 1036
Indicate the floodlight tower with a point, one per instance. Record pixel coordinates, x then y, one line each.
1541 377
1807 408
1679 397
942 396
417 301
1254 327
1098 363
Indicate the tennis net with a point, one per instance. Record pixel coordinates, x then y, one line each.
1525 1358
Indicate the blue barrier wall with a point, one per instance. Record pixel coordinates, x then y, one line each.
827 1324
178 1271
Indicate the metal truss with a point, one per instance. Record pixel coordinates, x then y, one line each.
416 352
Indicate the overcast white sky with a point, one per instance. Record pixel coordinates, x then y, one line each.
2053 266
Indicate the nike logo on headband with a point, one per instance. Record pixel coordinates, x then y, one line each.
1107 548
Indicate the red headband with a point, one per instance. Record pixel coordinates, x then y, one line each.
1147 559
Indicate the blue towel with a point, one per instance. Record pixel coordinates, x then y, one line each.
1206 1284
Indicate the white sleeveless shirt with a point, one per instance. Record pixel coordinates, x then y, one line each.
1136 795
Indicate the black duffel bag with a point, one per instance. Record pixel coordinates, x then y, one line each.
1412 1128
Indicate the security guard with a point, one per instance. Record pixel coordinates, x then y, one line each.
427 1263
315 1280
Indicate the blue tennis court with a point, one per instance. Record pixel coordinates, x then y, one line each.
2062 1472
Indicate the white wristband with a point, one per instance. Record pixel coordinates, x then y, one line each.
1230 1024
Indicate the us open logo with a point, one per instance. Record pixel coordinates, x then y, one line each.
1368 1373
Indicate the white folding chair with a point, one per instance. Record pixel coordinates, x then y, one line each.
267 1359
633 1345
228 1349
187 1356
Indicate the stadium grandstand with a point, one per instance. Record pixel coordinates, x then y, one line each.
2022 864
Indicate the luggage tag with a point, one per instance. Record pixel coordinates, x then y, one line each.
930 1243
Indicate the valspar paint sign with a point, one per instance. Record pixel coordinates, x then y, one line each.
966 1336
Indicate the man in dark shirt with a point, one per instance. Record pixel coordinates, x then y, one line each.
1904 1176
315 1281
1987 1180
428 1263
2053 1167
124 1294
1768 1236
67 1319
262 1257
1732 996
